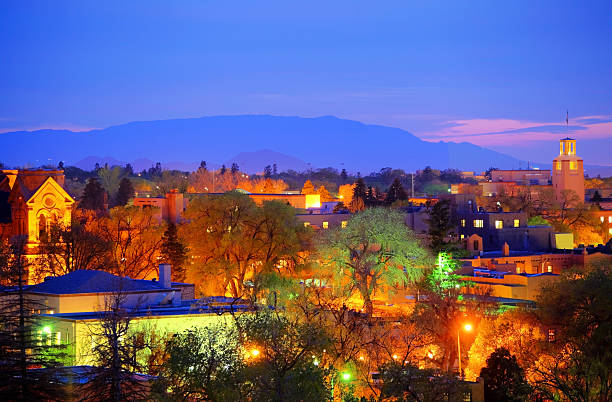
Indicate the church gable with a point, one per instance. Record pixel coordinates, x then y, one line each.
49 195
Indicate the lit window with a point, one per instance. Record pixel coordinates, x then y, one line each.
551 335
343 224
550 268
558 164
306 224
517 223
610 219
573 165
601 219
462 236
499 224
325 225
610 231
462 222
478 223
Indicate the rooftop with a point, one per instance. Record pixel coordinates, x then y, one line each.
90 281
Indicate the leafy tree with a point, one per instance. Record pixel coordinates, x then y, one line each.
396 192
203 364
267 172
235 240
93 196
283 368
375 251
578 364
596 198
440 224
308 188
60 165
110 179
174 252
504 379
340 208
24 342
325 196
274 169
125 192
360 190
407 382
128 170
343 176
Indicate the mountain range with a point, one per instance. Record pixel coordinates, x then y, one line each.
251 141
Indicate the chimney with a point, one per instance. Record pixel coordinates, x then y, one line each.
165 272
506 250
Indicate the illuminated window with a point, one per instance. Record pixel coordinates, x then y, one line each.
325 225
462 236
517 223
306 224
610 231
558 165
550 268
551 335
610 219
573 165
462 222
343 224
478 223
499 224
601 219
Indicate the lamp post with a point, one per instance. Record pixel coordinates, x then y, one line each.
467 328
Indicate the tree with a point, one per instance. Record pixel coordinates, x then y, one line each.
128 170
396 192
234 169
407 382
115 350
93 196
282 369
504 379
343 176
578 364
26 340
203 165
60 165
235 240
267 172
324 194
223 170
110 179
345 192
174 252
125 192
440 224
69 248
308 188
274 169
203 364
134 238
374 252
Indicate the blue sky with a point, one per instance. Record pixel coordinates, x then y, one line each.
498 74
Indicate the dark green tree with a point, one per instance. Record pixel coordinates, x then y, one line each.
128 170
596 199
174 252
343 176
234 169
360 190
29 351
504 379
396 192
370 200
203 165
267 171
125 192
223 169
93 196
274 169
60 165
440 224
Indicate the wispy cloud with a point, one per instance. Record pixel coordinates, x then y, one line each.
489 132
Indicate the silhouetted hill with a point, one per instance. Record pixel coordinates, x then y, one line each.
322 141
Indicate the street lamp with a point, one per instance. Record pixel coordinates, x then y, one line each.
467 328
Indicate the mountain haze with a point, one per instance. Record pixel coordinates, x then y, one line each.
322 141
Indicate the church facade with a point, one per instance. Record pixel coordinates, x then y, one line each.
30 202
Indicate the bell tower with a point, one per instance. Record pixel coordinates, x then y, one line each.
568 170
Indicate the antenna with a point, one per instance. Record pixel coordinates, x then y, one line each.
567 118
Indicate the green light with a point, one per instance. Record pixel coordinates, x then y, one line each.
47 330
346 376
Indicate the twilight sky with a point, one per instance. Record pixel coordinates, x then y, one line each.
497 74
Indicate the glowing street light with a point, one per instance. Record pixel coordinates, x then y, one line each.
255 352
346 376
467 327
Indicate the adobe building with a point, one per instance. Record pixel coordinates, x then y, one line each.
568 170
30 201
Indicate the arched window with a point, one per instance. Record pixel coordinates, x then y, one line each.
42 226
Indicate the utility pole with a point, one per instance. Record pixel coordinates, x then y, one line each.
413 185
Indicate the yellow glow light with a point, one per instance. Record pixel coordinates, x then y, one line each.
255 352
467 327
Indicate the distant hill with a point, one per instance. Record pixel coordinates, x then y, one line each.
287 141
